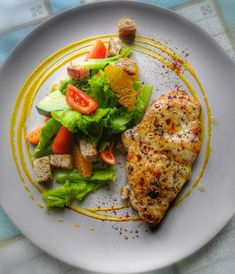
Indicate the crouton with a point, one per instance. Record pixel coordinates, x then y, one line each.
64 161
88 151
82 164
127 29
42 169
78 72
114 46
128 65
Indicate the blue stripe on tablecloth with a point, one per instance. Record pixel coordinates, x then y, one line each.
228 9
166 3
9 40
7 228
58 6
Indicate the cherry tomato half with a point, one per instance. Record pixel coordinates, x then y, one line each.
108 156
98 51
63 141
79 100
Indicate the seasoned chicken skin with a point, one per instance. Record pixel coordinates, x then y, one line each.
161 150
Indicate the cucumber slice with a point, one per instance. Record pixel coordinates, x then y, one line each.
53 101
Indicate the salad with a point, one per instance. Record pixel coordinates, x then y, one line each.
84 117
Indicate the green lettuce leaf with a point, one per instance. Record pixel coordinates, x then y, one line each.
58 197
118 120
142 103
61 176
64 84
102 92
64 195
68 118
137 85
81 190
101 63
83 85
121 121
48 131
91 125
46 150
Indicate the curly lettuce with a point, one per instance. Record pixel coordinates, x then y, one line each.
69 191
101 91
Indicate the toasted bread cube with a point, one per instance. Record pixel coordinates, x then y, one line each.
78 72
42 169
127 29
128 65
64 161
88 151
114 46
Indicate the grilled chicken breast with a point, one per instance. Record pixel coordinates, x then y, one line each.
161 150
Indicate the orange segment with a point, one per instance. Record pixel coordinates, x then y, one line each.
122 84
84 166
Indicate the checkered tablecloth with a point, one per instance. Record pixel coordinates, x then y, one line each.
20 17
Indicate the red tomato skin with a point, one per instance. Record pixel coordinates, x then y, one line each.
108 156
98 51
79 100
63 141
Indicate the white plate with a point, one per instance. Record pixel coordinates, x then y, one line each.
97 245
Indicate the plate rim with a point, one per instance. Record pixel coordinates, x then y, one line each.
92 5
